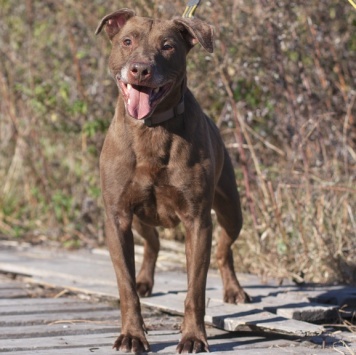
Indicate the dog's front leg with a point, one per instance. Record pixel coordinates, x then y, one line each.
198 247
121 246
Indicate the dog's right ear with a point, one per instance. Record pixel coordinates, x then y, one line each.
196 31
114 22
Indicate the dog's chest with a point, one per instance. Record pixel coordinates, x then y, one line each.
154 198
156 187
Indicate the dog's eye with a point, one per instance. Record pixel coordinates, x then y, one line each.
167 47
127 42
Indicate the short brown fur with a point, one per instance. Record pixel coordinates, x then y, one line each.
172 172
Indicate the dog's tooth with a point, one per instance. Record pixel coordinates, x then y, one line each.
129 87
156 90
128 101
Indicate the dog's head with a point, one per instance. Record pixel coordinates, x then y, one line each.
147 58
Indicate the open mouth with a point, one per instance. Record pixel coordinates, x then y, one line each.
141 101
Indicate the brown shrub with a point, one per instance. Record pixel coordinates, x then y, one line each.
280 85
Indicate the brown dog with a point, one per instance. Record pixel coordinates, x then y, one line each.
163 161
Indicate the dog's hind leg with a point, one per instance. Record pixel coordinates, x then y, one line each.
228 210
145 277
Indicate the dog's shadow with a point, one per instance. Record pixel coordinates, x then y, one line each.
234 341
167 341
168 345
219 343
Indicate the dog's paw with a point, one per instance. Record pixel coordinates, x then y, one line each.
236 296
192 345
144 289
130 344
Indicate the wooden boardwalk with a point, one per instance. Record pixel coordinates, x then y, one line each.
37 320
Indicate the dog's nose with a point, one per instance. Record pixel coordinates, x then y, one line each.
140 71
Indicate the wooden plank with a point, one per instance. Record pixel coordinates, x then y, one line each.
90 287
306 312
87 268
296 350
338 295
291 307
166 341
10 284
58 265
92 275
176 281
289 303
58 342
235 317
63 328
167 302
256 291
36 301
94 267
43 307
160 342
45 318
93 270
13 293
93 350
11 289
76 329
54 340
164 281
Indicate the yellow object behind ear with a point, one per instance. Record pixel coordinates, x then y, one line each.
190 9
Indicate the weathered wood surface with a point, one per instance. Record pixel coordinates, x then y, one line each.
237 317
93 273
58 323
93 332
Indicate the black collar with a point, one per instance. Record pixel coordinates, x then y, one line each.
161 117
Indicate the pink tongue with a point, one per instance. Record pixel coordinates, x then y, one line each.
138 103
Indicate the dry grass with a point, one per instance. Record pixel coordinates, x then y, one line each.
280 85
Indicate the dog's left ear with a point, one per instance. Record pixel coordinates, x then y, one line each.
114 22
195 31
